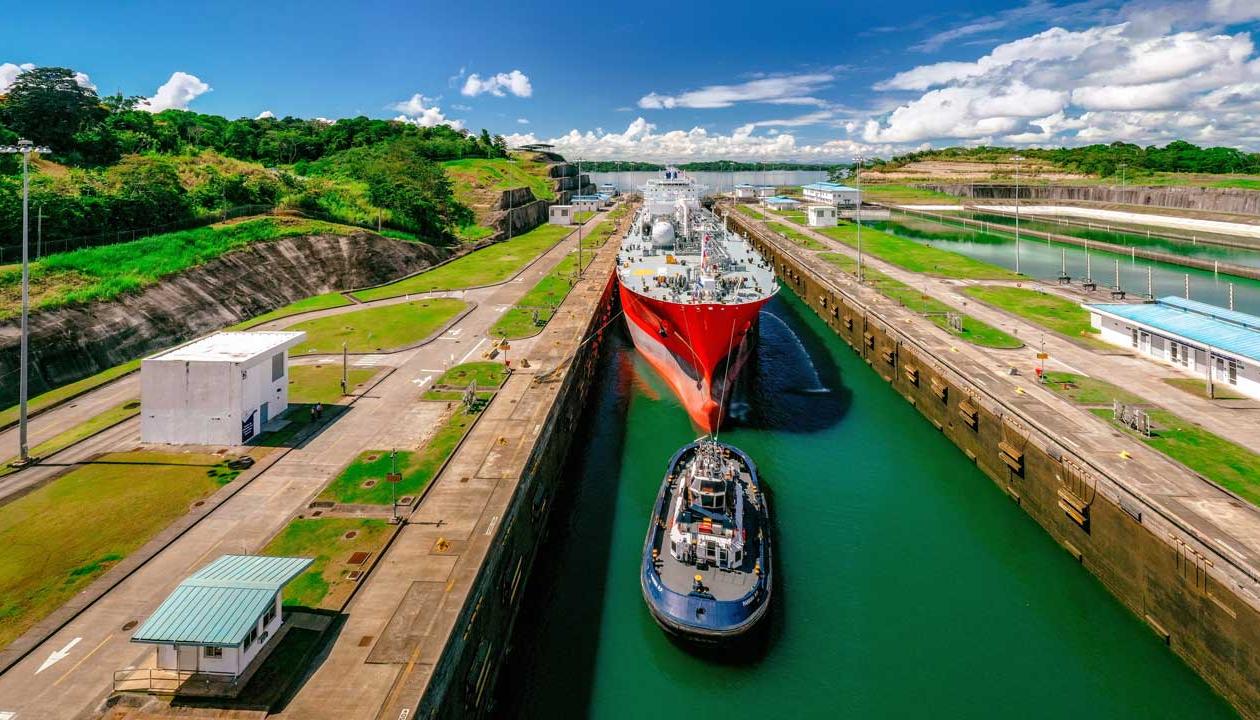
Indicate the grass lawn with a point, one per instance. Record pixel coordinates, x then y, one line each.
917 257
70 436
64 535
310 384
418 468
487 374
974 331
472 174
378 328
65 392
108 271
1084 390
905 194
583 215
473 232
315 302
492 264
1049 311
796 236
748 210
1229 465
1198 388
549 292
324 584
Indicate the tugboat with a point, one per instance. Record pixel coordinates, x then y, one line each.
706 573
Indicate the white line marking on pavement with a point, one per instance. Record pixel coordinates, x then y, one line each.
501 308
490 527
456 332
58 655
480 342
370 360
421 382
430 370
7 715
82 660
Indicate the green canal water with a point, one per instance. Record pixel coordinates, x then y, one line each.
908 585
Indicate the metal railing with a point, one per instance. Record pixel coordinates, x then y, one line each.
172 682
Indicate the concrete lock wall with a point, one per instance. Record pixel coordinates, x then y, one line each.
1168 584
463 680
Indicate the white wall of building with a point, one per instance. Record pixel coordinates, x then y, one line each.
231 660
831 197
560 215
821 215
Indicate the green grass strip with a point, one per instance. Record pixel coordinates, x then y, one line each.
1041 308
796 236
917 257
324 584
51 398
375 329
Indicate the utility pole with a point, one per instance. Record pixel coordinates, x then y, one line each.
1018 159
24 148
39 233
345 370
580 223
860 160
1122 167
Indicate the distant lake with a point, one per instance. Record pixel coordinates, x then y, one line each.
715 182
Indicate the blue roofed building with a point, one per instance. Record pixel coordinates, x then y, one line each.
831 193
1196 338
778 201
217 626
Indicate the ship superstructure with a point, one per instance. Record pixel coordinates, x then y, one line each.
691 291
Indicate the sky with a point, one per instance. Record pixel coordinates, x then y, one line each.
679 81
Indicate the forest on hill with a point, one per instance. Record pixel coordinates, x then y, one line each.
116 167
1103 160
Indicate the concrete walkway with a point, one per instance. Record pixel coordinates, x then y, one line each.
392 414
1236 421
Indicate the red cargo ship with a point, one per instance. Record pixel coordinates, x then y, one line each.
691 292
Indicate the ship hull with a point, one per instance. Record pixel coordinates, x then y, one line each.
698 348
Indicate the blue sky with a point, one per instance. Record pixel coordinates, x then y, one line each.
816 81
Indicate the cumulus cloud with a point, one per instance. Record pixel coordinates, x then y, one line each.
513 83
522 121
264 115
176 93
1177 73
642 140
778 90
420 110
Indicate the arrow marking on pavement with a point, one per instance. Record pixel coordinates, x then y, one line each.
58 655
421 382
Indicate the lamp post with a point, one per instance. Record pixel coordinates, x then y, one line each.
25 148
858 215
1018 159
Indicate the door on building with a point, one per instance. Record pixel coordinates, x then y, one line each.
1233 373
1133 337
1145 343
264 414
186 658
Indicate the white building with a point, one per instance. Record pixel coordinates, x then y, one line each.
213 631
821 215
744 191
219 390
1193 337
560 215
765 191
587 203
831 193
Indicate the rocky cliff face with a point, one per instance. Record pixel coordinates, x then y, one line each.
68 344
520 209
1225 200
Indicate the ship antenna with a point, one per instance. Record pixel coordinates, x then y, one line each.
730 341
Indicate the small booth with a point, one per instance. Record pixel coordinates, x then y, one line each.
821 215
560 215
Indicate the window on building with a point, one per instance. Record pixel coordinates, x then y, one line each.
270 615
1133 337
277 366
1172 352
212 652
250 638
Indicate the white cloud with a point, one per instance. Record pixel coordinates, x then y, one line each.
420 110
1166 72
779 90
522 121
10 71
176 93
514 83
641 140
264 115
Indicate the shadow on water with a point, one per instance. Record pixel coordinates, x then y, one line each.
562 610
788 386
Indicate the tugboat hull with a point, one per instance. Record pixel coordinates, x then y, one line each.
704 616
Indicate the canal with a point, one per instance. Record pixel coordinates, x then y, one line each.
1043 260
907 584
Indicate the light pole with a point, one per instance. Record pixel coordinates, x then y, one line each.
858 215
25 148
1018 159
1122 167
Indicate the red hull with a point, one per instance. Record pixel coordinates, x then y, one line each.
689 344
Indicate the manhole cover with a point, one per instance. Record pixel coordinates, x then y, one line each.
369 483
366 640
351 535
129 625
372 458
463 479
317 513
405 500
199 503
357 558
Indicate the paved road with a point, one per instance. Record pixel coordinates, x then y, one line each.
49 423
389 415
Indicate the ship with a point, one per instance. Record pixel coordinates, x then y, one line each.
706 574
691 291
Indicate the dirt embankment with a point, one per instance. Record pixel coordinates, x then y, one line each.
67 344
947 171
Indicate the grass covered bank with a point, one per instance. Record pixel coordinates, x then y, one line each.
917 257
374 329
1041 308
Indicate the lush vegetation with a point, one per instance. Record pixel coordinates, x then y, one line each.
373 329
117 170
917 257
899 194
310 304
54 549
1049 311
973 331
1102 160
329 542
487 266
108 271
